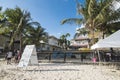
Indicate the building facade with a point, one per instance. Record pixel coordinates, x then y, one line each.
53 43
80 42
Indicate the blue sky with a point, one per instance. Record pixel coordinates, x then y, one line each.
48 13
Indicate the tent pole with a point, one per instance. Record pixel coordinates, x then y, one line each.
99 56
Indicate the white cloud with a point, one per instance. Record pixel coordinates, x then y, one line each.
116 5
59 33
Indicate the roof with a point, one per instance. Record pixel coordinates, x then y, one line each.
82 38
53 37
111 41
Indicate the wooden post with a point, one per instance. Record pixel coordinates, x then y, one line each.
64 56
50 55
99 56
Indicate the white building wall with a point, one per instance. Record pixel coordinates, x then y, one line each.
53 41
79 43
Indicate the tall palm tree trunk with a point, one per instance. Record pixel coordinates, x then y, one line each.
93 37
21 43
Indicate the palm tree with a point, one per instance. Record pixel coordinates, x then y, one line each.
19 23
63 40
94 15
3 30
106 22
81 31
34 34
2 22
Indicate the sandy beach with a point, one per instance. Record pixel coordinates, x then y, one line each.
58 71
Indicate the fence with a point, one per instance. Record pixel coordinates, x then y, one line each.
65 56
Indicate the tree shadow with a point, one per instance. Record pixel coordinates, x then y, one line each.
54 70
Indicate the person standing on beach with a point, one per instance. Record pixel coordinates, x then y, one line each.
82 57
18 55
9 56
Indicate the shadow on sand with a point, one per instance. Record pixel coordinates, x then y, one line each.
54 70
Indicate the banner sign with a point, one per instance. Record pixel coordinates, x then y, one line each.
29 56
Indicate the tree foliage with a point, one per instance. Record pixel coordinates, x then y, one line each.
97 15
20 26
63 41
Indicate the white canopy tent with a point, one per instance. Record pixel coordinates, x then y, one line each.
112 41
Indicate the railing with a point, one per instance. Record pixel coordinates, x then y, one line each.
64 56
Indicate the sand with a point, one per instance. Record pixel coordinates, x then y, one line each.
58 71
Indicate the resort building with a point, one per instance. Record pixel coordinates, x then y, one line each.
83 38
3 42
80 42
53 44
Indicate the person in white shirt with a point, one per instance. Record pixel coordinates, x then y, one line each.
9 56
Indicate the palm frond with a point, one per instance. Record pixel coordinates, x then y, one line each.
72 21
